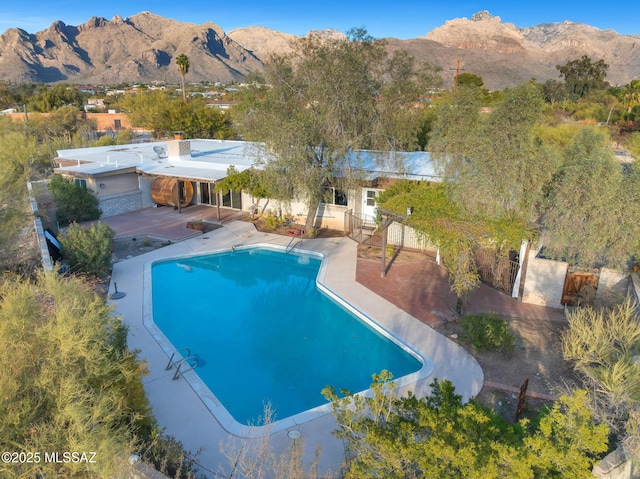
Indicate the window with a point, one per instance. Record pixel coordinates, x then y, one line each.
117 124
80 182
334 196
232 199
371 197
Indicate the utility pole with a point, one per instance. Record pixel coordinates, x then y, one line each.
455 78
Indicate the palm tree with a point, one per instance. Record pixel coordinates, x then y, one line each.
183 67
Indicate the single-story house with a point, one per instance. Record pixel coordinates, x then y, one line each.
180 173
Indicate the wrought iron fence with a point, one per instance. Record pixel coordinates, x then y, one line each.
497 270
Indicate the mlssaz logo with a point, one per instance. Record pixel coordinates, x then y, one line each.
70 457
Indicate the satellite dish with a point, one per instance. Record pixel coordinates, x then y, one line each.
159 151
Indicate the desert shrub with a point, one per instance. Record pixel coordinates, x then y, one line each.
488 331
88 249
73 202
272 222
169 456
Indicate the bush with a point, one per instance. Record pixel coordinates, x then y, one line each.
168 455
73 202
272 222
88 249
488 331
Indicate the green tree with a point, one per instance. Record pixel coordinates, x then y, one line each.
73 202
62 127
553 91
182 62
50 98
249 181
67 380
456 233
583 75
470 79
88 249
324 98
633 144
589 218
631 95
500 170
438 436
158 111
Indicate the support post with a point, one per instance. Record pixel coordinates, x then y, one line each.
180 186
383 271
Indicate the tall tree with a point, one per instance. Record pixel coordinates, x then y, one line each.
325 100
583 75
495 165
589 218
182 62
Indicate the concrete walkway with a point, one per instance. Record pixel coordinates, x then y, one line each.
181 411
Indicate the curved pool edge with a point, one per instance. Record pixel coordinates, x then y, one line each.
208 398
178 410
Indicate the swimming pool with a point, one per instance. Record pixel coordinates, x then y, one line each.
265 333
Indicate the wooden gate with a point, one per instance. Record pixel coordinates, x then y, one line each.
579 288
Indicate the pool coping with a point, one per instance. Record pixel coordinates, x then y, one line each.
178 410
215 406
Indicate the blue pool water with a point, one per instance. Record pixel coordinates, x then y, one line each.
264 333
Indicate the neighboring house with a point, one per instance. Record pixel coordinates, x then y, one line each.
105 122
110 121
94 104
130 177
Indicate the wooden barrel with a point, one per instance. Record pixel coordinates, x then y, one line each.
164 191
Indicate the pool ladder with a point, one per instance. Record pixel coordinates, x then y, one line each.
191 361
290 246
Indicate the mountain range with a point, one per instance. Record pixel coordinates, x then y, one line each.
143 47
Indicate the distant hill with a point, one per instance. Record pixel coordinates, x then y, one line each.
142 48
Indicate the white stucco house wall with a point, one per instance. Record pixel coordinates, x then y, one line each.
123 176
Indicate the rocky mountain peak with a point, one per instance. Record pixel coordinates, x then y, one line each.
143 47
483 32
483 15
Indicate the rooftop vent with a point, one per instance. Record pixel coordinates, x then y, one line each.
179 149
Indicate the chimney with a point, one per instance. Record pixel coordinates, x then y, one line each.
179 149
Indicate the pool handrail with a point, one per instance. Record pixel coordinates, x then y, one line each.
171 363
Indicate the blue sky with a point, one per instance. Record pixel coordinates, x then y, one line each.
400 19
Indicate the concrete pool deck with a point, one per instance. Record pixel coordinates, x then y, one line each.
182 413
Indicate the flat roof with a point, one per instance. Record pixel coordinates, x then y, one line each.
209 160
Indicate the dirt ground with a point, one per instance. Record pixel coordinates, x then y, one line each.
537 357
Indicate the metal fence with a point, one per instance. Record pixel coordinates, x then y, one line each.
496 270
365 230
